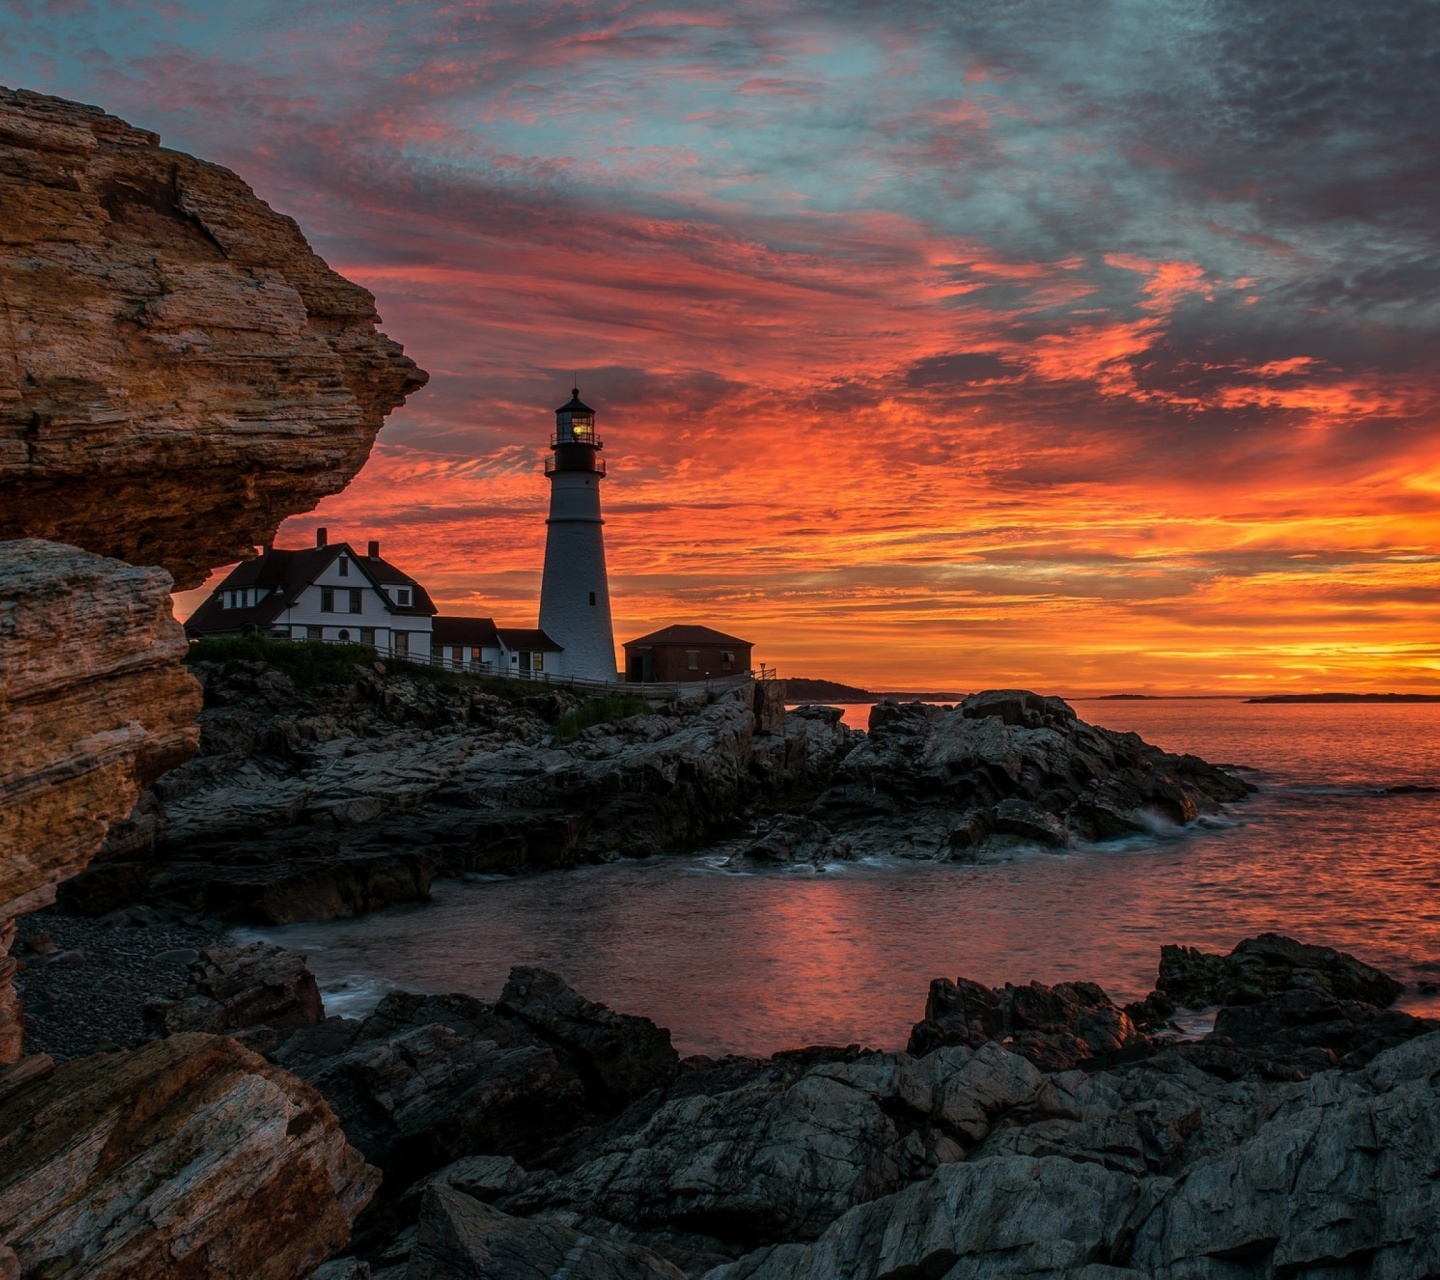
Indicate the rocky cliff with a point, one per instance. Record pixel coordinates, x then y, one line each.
94 706
183 372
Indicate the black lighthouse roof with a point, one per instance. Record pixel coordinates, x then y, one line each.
576 405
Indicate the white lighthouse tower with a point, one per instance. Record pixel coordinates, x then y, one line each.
574 594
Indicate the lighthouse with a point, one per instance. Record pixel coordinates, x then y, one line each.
574 594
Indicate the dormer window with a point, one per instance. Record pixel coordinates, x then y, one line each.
402 596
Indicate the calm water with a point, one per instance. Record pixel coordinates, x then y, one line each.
757 962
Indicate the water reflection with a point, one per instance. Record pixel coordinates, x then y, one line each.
753 963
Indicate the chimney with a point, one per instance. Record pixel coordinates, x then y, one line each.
373 553
322 534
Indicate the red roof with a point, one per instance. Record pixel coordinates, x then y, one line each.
681 633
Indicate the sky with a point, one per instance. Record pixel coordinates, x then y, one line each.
1083 347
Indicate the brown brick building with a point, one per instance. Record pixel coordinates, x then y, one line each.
685 652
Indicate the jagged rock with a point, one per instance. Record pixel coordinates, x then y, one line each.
80 741
1005 768
621 1057
1055 1027
185 372
420 1096
778 1153
1264 966
791 839
426 1081
317 803
190 1156
997 1217
1313 1031
1339 1182
459 1238
235 989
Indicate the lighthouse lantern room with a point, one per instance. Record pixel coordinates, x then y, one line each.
574 592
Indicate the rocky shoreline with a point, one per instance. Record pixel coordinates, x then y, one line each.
317 798
1026 1130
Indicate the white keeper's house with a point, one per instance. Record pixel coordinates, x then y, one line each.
330 592
325 592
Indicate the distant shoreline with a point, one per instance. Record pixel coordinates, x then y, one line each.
805 689
1348 697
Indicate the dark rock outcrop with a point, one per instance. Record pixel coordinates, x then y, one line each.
316 802
1266 966
1008 767
185 372
1054 1027
972 1157
253 993
459 1238
427 1080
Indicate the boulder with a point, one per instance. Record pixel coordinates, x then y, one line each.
997 1217
190 1156
459 1238
792 839
1054 1027
261 987
1265 966
619 1056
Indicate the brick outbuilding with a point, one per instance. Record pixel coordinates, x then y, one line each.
685 652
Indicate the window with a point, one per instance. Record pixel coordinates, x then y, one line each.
727 659
402 596
314 633
357 605
227 599
475 653
344 636
402 644
592 597
692 659
367 635
537 663
327 599
344 567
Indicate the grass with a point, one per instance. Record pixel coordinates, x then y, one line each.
312 665
600 710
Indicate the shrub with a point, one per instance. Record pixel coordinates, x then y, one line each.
304 662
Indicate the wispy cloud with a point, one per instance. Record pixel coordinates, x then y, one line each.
968 344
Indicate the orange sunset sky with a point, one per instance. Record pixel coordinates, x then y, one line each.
1084 348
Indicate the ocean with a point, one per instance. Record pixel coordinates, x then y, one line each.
753 962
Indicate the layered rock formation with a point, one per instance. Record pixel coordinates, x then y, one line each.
94 704
184 372
190 1156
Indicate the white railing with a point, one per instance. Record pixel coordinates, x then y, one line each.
652 690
